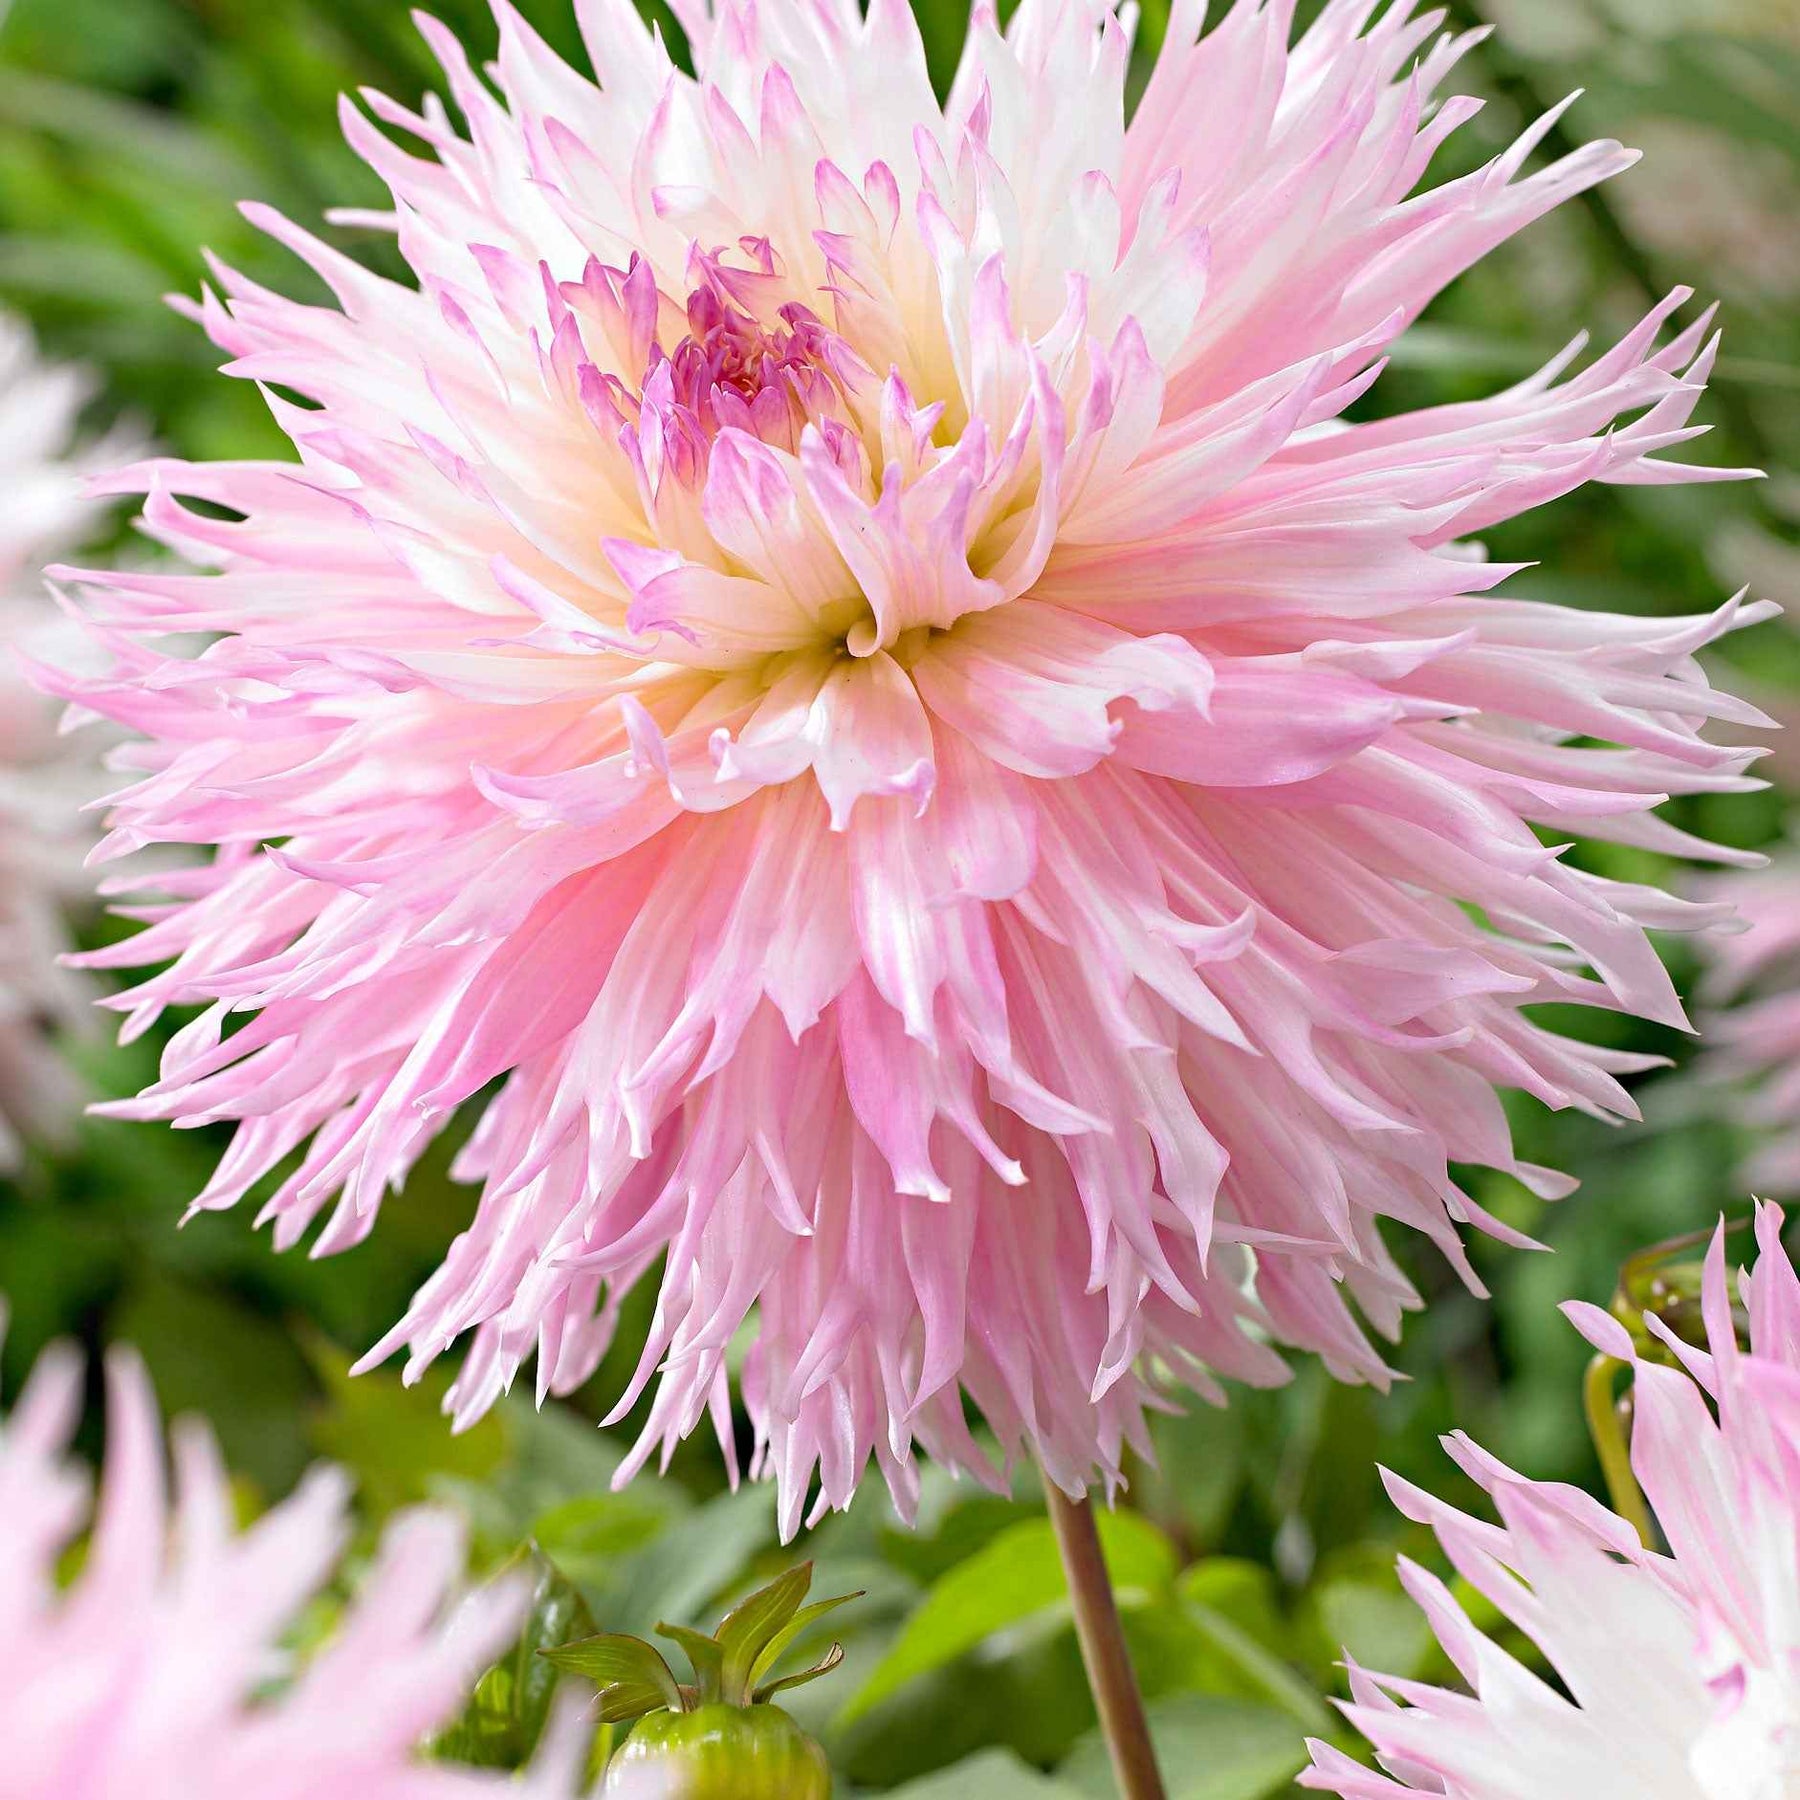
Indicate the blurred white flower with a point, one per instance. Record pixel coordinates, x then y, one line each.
149 1673
44 777
1677 1675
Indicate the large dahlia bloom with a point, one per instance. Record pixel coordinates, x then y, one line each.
157 1673
1757 1040
839 656
44 780
1679 1672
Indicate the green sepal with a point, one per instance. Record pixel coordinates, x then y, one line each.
751 1626
631 1675
707 1656
733 1667
826 1663
783 1640
1663 1282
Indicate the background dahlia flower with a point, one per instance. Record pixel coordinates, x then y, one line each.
1680 1672
840 653
1757 1040
44 780
146 1676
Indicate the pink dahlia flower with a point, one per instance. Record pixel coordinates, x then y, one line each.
1680 1672
838 655
44 779
149 1676
1758 1039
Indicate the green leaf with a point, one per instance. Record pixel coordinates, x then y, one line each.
555 1488
589 1536
754 1623
1267 1672
48 268
1017 1577
1209 1748
949 1533
1734 88
562 1456
505 1716
992 1775
1357 1606
1444 347
395 1439
1375 1624
694 1559
1341 1489
1199 1471
150 138
213 1354
1244 1592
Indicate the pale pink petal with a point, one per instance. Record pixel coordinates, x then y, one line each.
838 660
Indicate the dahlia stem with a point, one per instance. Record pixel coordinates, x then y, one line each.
1109 1671
1606 1426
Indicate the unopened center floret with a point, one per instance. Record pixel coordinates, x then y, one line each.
733 370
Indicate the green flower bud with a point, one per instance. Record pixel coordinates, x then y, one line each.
717 1738
722 1753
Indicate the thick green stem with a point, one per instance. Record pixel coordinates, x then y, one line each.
1607 1427
1116 1696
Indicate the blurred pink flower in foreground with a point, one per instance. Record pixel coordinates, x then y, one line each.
1757 1040
145 1676
1681 1672
840 653
44 779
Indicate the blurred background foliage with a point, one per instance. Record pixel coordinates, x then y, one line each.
129 129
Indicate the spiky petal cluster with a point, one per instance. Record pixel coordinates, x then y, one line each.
1756 1041
148 1674
839 653
44 781
1680 1672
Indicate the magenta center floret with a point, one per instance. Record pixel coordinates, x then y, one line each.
733 371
